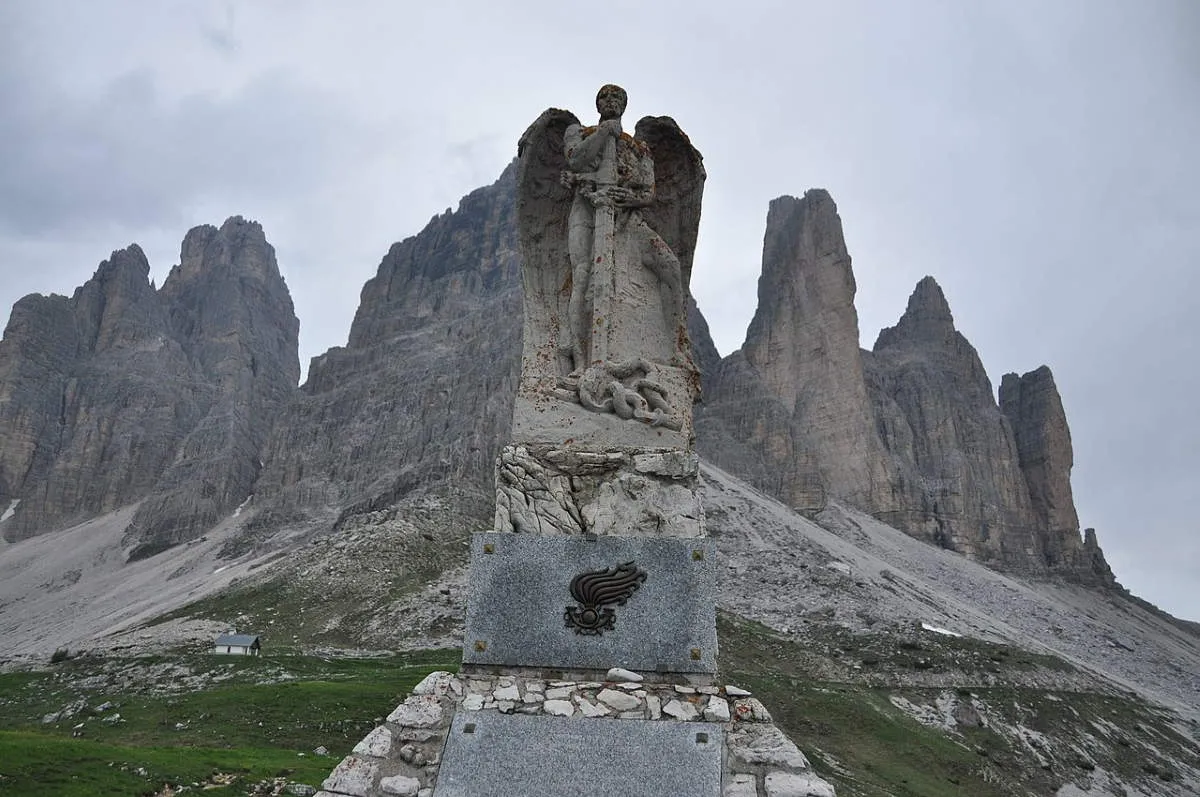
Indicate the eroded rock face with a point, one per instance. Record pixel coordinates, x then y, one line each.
960 484
1032 404
423 391
794 395
910 431
95 398
232 312
123 392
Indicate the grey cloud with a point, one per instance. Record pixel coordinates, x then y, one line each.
133 157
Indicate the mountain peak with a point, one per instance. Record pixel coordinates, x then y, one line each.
927 318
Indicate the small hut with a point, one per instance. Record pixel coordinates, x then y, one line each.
237 645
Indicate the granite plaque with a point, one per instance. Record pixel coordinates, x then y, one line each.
489 754
642 603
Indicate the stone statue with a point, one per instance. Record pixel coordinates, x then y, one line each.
608 226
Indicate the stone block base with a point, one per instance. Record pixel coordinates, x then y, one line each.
510 735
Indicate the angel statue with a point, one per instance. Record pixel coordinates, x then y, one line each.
608 226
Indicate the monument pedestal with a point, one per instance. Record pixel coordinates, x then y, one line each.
489 735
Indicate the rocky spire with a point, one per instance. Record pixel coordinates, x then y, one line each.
927 318
802 348
960 484
117 306
231 312
1034 409
123 393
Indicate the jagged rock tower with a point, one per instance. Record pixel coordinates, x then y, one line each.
590 649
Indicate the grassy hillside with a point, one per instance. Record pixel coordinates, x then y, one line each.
159 725
947 716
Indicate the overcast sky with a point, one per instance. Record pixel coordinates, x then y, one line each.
1038 158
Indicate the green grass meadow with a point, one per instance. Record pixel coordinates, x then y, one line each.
227 726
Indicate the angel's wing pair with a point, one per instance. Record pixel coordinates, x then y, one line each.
543 204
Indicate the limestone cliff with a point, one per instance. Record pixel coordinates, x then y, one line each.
794 395
123 392
910 431
231 311
1034 409
959 482
423 391
173 397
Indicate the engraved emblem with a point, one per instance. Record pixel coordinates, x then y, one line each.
596 591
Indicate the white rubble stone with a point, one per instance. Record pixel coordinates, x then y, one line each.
418 735
680 711
401 785
765 744
510 692
532 697
505 706
590 685
708 690
419 711
560 708
736 691
377 743
436 683
790 784
750 709
588 709
473 702
619 674
559 693
654 704
618 700
717 709
684 690
535 686
741 786
354 776
632 687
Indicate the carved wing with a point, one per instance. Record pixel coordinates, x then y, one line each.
543 204
612 586
678 187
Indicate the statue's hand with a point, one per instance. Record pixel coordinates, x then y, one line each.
611 127
619 194
628 197
600 199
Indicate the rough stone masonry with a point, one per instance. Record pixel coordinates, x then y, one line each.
590 649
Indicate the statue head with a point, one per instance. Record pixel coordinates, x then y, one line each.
611 101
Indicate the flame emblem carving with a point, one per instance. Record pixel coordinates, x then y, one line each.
596 591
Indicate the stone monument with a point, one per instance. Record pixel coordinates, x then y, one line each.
590 649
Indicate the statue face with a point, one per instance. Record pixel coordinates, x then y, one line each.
611 101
